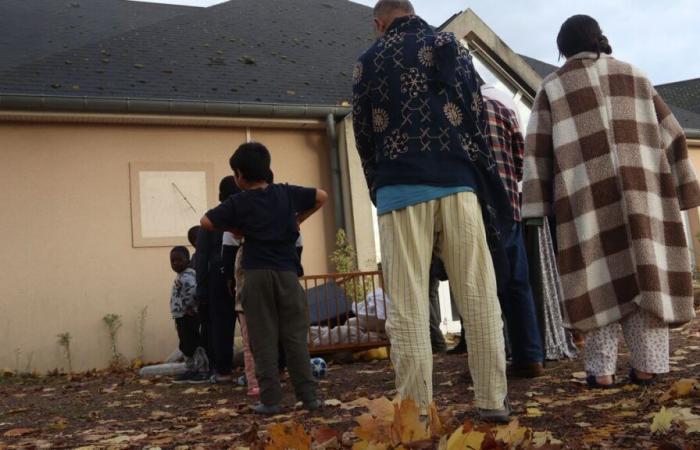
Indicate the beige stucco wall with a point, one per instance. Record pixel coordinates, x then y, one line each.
67 257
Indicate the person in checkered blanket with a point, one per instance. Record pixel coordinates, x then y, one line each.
607 159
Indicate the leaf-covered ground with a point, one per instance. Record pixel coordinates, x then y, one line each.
120 410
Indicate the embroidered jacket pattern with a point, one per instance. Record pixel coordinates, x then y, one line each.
419 118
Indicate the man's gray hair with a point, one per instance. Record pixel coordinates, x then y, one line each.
385 7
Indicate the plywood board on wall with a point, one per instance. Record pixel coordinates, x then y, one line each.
167 198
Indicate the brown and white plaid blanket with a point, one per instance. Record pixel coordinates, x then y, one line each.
608 159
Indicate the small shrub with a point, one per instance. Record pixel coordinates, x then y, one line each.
64 340
141 337
114 323
344 257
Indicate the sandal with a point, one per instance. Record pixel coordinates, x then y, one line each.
640 381
593 383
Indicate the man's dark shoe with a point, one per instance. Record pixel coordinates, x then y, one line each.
525 370
458 349
267 410
497 415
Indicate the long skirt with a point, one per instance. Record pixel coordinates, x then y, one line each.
547 292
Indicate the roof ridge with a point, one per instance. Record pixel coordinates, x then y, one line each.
679 82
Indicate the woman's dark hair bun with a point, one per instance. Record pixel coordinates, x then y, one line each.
581 33
604 45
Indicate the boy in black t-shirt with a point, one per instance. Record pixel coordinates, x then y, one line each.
268 215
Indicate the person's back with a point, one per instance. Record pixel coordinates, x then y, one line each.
420 89
267 216
268 222
420 133
622 178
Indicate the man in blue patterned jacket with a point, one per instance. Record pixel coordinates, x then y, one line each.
422 137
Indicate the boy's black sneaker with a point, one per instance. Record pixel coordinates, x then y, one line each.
199 378
184 377
267 410
313 405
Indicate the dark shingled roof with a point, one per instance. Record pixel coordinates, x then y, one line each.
294 52
684 94
542 68
31 29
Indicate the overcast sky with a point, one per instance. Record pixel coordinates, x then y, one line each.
659 37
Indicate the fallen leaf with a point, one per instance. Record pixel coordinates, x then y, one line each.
361 402
19 432
688 421
579 375
209 413
160 415
326 438
407 426
662 421
372 429
601 406
533 412
288 435
123 439
541 438
332 402
512 434
465 437
381 408
681 388
196 429
436 428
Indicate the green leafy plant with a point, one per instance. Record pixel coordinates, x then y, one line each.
64 340
114 323
141 330
18 355
344 257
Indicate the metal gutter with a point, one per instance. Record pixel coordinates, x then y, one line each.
692 133
54 103
338 206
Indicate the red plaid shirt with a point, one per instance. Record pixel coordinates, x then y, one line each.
508 147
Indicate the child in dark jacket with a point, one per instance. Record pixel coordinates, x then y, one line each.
268 217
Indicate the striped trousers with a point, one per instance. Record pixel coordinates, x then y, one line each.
453 226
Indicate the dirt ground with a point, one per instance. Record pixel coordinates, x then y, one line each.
120 410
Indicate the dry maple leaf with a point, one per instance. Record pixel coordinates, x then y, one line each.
663 420
681 388
361 402
19 432
466 437
512 434
408 426
687 420
436 428
288 435
372 429
251 436
381 408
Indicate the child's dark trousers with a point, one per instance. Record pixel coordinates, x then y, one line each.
276 311
188 333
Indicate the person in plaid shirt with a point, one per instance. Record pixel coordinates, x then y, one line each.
516 297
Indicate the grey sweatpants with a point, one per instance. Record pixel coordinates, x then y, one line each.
276 312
